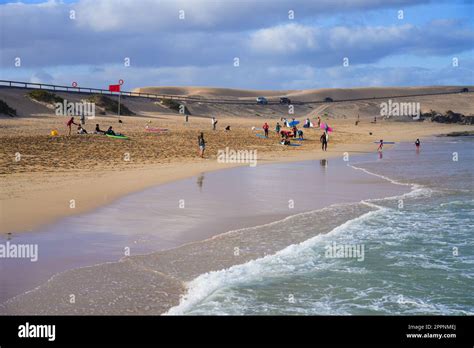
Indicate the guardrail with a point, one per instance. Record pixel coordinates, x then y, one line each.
89 90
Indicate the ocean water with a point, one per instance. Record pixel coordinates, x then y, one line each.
418 249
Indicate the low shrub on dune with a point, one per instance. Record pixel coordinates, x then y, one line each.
5 109
174 105
45 96
110 105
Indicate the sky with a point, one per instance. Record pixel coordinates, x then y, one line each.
250 44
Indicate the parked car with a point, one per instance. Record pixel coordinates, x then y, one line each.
262 101
285 100
328 100
465 90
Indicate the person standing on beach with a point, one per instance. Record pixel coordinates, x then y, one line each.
324 142
202 145
265 129
417 144
319 121
380 148
277 128
70 123
214 123
295 131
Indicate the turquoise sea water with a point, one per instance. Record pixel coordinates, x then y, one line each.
418 249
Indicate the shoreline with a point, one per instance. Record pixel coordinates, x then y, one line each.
46 210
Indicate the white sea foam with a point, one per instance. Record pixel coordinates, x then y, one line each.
417 190
272 265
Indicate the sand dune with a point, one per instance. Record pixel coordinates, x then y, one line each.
299 95
459 102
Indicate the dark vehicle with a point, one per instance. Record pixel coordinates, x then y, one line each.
328 100
464 90
262 101
285 100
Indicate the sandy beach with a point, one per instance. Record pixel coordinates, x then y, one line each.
92 170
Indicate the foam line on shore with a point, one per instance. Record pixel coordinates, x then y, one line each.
205 284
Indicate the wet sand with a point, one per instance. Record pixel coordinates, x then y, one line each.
153 221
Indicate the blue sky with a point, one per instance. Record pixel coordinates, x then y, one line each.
274 51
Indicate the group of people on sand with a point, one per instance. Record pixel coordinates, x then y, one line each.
294 132
82 130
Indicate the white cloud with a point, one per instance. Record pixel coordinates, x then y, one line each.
166 50
286 39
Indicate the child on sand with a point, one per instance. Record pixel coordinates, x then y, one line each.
81 130
417 143
70 123
265 128
295 131
98 130
278 127
202 145
110 131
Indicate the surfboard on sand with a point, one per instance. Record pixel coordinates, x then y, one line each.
261 136
117 136
156 130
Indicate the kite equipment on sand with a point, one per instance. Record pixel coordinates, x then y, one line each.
324 126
